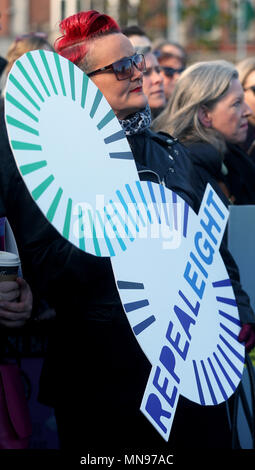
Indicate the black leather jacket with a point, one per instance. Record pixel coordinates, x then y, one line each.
162 154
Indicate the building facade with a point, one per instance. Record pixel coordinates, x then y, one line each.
23 16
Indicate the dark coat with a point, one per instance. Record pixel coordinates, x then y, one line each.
241 175
208 165
249 145
165 156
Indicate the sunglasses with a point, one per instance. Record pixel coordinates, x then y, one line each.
252 88
148 72
170 71
123 68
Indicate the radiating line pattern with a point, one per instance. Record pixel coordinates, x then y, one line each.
217 376
142 205
139 326
37 77
185 221
40 76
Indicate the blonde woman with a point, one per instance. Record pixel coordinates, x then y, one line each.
207 113
22 44
246 69
25 43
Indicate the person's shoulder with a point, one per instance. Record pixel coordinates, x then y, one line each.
200 146
206 155
239 161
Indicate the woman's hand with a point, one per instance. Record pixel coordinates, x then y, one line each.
16 303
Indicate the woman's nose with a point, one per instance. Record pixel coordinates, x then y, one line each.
247 110
156 76
137 74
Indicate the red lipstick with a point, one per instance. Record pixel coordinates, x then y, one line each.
136 90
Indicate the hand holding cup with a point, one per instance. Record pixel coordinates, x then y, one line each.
15 294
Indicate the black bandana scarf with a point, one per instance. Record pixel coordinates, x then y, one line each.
138 122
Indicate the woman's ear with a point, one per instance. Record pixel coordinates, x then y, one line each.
204 116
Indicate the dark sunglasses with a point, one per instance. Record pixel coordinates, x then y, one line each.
148 72
252 88
124 68
170 71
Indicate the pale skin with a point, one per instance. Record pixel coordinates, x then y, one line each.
176 63
230 114
16 302
153 86
126 96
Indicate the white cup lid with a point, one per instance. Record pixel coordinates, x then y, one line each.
9 259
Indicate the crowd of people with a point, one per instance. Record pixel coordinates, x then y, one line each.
189 125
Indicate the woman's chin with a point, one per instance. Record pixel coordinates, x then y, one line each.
136 107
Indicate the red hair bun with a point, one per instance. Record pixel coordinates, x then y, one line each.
78 28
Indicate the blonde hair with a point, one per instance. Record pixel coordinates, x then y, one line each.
201 84
26 43
245 67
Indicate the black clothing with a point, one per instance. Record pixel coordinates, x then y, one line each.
165 156
249 145
241 175
208 165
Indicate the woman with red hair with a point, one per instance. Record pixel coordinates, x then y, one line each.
102 386
98 373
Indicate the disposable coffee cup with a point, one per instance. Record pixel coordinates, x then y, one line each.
9 266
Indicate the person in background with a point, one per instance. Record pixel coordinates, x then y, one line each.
208 114
22 44
16 298
3 63
16 302
25 43
172 58
19 305
246 70
153 86
138 37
